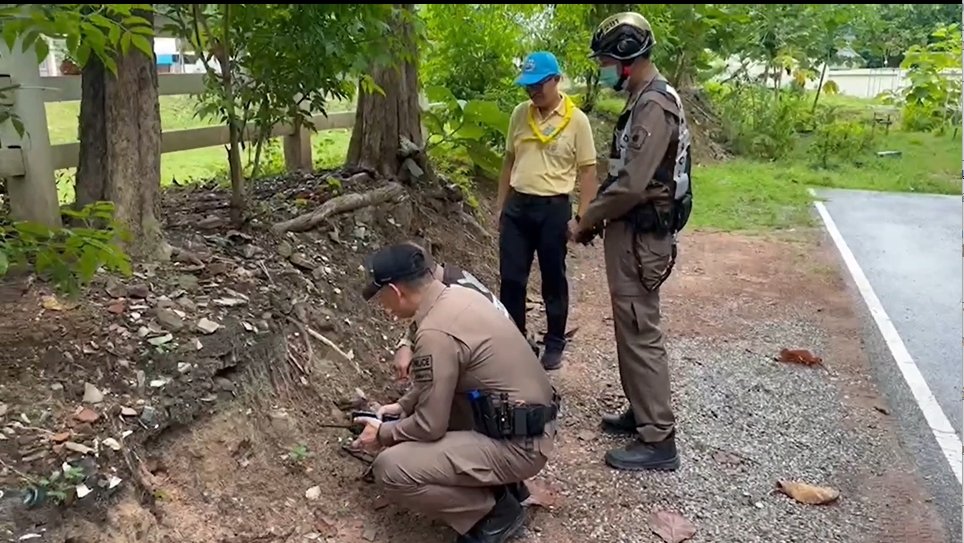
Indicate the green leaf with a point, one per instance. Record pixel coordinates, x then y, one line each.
125 43
4 262
143 44
10 33
487 114
42 50
82 54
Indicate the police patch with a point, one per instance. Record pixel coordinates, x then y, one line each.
638 137
422 369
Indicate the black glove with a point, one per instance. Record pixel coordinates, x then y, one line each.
586 236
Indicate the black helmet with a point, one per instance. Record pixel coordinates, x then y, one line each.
623 36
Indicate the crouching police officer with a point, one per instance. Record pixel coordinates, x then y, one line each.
640 208
448 274
480 419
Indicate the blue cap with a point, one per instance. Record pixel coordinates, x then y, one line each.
537 67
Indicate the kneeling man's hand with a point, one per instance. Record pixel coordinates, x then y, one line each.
368 440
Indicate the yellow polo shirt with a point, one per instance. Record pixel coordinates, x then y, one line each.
548 169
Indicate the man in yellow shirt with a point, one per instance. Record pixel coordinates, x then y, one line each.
549 148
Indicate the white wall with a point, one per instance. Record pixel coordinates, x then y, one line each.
868 83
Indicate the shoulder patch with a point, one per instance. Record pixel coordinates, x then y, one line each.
422 369
638 136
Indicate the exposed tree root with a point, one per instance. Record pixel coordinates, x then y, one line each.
341 204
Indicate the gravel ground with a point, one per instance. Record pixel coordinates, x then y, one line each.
746 422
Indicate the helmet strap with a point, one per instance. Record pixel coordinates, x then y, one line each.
624 75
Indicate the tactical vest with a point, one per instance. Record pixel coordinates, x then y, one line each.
673 171
452 275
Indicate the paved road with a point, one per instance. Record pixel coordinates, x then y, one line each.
908 247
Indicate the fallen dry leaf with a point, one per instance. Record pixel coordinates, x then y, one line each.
586 435
671 527
540 494
60 438
807 493
799 356
53 304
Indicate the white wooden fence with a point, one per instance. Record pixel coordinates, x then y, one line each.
28 163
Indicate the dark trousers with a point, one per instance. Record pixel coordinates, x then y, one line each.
532 225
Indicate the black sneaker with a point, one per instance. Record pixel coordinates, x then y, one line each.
639 456
502 522
623 423
551 359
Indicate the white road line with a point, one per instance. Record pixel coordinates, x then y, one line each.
947 438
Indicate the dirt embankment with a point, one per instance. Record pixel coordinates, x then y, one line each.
95 392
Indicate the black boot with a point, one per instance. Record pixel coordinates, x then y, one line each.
624 423
638 456
502 522
519 490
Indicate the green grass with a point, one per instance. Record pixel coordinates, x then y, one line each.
744 194
177 113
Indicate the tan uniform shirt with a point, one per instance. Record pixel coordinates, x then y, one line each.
654 127
463 343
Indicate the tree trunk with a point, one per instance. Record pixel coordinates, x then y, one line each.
382 121
120 146
823 75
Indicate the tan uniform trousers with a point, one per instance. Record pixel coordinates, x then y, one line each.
643 361
451 479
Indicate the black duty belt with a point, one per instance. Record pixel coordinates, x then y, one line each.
499 419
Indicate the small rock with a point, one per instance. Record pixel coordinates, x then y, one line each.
206 326
86 415
186 303
112 443
139 290
169 319
161 340
77 447
313 493
128 412
115 289
285 249
249 251
3 409
183 367
187 282
92 395
302 261
148 417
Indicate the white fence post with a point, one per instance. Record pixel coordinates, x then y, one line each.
33 192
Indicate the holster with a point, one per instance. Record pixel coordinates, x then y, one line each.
499 419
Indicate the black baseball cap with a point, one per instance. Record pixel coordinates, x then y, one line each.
393 263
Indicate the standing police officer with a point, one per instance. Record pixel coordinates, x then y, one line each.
640 208
481 417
